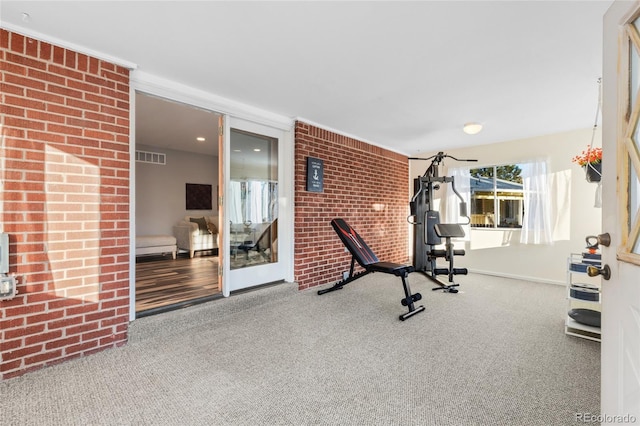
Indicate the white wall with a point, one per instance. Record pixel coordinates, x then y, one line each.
499 252
160 190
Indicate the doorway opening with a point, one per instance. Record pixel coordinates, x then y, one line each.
176 205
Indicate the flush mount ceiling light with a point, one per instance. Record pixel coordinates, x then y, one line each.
200 139
472 128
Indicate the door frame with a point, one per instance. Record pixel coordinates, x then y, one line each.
283 268
620 386
153 85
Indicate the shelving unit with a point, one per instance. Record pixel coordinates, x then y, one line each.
583 292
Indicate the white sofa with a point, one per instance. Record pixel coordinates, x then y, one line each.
192 237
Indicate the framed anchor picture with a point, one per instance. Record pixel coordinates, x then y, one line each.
315 174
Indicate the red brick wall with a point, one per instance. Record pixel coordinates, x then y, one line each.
365 185
64 156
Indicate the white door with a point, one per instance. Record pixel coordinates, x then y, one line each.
620 391
252 204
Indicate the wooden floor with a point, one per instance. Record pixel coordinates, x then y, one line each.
162 281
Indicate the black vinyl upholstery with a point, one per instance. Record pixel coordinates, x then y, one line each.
362 253
449 230
263 242
367 259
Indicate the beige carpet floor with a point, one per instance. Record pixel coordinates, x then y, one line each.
493 354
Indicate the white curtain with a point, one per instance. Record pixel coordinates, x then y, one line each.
235 200
254 201
536 223
462 179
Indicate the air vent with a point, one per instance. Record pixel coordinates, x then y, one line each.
151 157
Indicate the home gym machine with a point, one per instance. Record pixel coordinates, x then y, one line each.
427 229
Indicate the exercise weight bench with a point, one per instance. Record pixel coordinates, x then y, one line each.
361 253
448 231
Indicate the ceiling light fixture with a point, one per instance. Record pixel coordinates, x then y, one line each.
472 128
200 139
256 149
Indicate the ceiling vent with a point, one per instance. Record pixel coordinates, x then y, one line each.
151 157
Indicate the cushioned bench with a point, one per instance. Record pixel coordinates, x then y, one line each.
156 244
366 258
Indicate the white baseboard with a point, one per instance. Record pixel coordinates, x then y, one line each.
518 277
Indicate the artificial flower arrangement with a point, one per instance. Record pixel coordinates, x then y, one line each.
589 156
591 161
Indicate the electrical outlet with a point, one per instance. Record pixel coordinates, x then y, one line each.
7 287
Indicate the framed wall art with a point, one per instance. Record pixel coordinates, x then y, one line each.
198 196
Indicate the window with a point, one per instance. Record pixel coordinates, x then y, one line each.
496 197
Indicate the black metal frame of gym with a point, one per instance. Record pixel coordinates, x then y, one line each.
427 229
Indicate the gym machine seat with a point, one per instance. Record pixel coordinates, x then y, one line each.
448 231
366 258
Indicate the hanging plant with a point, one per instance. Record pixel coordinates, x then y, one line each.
591 161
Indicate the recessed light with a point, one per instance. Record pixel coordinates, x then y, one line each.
472 128
200 139
256 149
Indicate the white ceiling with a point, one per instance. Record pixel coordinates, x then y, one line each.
172 125
404 75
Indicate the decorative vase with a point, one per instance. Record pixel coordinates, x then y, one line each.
593 172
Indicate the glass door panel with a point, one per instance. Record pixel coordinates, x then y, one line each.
252 202
633 146
634 60
634 204
253 199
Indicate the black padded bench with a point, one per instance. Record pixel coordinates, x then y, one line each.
366 258
448 231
